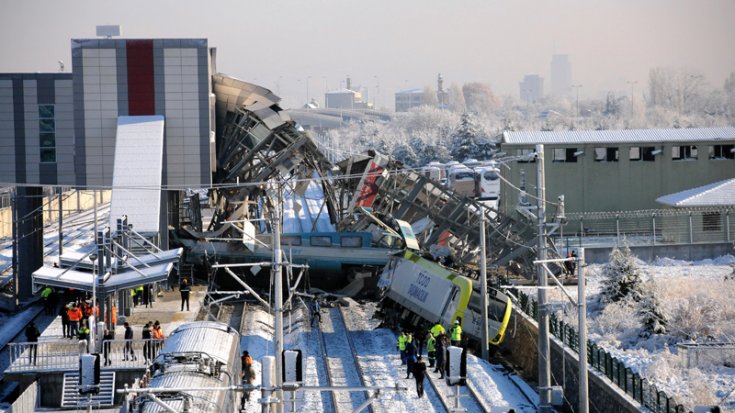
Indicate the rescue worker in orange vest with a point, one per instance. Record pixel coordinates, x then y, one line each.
75 315
157 333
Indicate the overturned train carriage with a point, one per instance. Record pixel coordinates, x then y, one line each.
420 293
197 355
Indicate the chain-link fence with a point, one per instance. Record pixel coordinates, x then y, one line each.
651 227
622 376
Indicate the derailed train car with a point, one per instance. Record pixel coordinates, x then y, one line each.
420 293
197 355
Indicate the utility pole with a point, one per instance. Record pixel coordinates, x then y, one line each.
61 222
278 337
483 280
544 361
584 405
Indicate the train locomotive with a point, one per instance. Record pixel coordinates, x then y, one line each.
420 293
200 354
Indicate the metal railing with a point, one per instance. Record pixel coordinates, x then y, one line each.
640 389
657 226
63 355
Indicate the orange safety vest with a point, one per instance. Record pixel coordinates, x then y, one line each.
75 314
157 333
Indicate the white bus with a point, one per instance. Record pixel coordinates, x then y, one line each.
461 180
487 181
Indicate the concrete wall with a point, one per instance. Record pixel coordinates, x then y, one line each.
26 403
520 349
686 252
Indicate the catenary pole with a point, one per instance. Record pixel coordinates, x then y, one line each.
584 405
483 280
278 300
544 362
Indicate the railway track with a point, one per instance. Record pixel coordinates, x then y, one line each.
342 363
81 222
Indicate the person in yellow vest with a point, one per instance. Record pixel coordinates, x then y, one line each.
431 348
437 330
138 294
456 333
84 333
46 296
401 346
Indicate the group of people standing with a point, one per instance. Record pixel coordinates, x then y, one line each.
153 338
411 348
75 319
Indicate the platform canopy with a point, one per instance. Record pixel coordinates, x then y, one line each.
80 260
82 280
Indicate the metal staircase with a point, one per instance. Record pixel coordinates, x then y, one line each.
70 396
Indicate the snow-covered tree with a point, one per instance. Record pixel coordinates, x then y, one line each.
468 140
405 153
621 277
649 310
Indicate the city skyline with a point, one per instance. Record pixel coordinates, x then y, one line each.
296 48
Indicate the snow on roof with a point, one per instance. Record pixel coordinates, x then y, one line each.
619 136
717 194
340 91
410 91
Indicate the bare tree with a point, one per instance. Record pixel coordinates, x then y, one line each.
479 98
456 99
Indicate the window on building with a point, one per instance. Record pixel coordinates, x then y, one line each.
565 155
47 132
683 152
527 154
722 152
634 153
648 153
606 154
711 221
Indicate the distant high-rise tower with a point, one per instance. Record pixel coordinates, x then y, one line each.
532 88
561 75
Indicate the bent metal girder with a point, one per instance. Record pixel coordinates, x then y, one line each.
409 196
257 142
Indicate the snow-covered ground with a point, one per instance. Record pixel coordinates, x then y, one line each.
378 361
696 299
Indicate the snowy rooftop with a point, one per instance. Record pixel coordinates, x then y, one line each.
717 194
619 136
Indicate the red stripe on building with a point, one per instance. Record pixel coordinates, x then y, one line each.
141 90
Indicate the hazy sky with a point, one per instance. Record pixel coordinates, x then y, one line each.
397 43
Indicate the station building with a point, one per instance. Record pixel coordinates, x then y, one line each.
64 129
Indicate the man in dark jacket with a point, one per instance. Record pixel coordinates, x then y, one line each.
184 289
32 334
128 343
419 373
410 358
147 345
